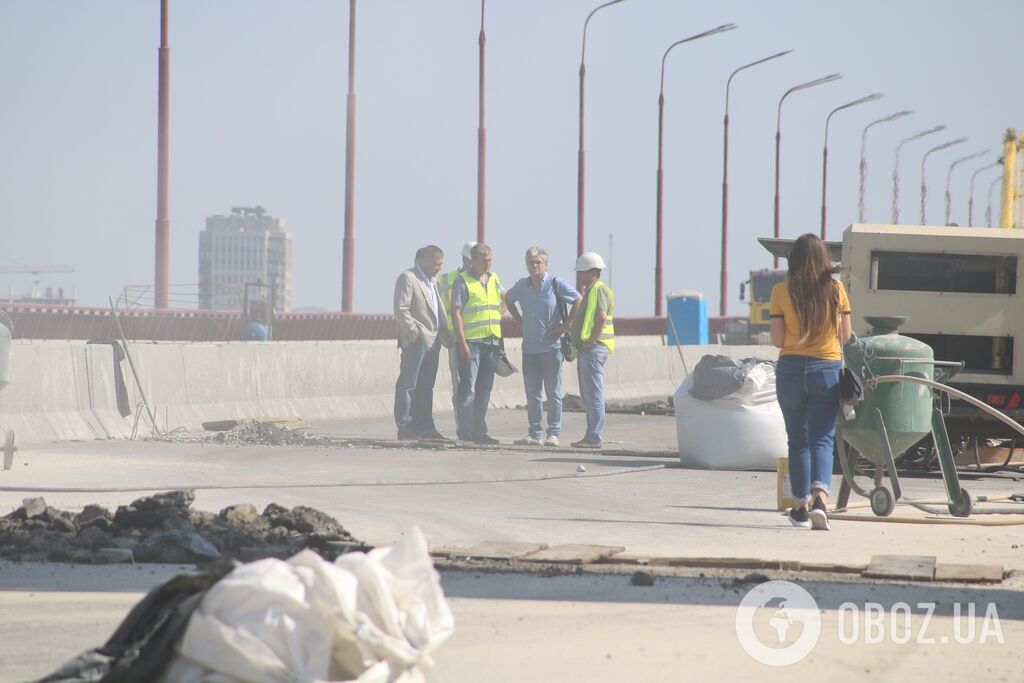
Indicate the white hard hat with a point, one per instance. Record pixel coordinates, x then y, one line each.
467 249
589 260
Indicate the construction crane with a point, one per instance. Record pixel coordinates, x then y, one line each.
35 270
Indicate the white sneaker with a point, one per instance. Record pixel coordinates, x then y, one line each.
551 441
527 441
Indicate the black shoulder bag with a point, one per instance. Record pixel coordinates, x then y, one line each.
851 389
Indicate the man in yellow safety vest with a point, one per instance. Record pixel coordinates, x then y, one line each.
593 331
476 319
444 287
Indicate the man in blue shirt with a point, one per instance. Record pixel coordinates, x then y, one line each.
541 297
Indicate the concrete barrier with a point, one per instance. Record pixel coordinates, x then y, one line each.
48 396
66 390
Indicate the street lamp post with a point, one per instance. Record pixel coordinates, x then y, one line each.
349 244
658 273
924 160
896 170
863 162
824 150
161 272
949 177
970 200
988 211
778 139
481 144
723 285
581 155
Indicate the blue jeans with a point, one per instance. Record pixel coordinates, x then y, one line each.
590 371
414 390
808 393
543 370
476 378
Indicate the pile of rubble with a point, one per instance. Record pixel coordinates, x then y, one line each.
250 433
571 403
164 528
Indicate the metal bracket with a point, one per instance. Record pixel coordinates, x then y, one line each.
9 449
138 416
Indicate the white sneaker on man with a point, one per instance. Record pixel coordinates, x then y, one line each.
527 441
551 441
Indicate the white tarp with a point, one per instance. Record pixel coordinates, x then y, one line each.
742 431
370 617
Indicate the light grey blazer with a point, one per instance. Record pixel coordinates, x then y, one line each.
417 320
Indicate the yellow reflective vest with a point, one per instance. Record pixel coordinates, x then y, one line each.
481 314
444 289
590 313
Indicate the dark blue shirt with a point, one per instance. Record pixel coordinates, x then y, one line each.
540 310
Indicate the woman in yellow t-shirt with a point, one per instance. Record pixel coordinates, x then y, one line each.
810 314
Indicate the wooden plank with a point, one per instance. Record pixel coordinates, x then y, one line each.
725 562
832 567
969 573
222 425
491 550
574 553
911 567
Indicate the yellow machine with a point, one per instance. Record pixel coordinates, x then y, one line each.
760 284
1012 194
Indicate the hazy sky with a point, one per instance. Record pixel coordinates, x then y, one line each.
258 117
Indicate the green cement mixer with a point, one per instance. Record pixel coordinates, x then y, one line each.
897 412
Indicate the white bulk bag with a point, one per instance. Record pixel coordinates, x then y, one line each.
373 618
742 431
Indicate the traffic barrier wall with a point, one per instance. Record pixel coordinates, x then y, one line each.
66 390
48 396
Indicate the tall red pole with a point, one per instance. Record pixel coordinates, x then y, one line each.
824 152
581 164
723 283
659 284
581 155
349 245
778 141
658 272
163 223
481 161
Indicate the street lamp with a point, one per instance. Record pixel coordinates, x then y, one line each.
924 159
581 156
161 271
349 244
658 275
949 176
778 138
723 287
970 200
824 150
864 163
481 143
896 170
988 211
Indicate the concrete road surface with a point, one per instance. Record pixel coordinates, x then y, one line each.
516 627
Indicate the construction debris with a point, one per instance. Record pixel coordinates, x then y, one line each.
164 528
248 433
571 403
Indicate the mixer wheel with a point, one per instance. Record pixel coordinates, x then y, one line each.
964 508
882 501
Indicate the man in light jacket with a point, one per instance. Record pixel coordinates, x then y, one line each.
422 330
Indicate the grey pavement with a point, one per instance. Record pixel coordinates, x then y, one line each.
519 627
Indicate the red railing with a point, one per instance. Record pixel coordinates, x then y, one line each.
39 321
